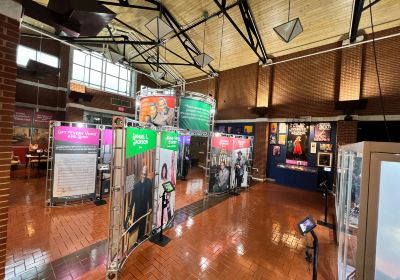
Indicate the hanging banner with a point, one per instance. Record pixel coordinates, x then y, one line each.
297 144
322 132
183 155
106 146
75 161
167 168
221 162
23 117
140 173
159 110
42 119
194 114
240 155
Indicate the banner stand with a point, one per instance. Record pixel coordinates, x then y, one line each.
68 151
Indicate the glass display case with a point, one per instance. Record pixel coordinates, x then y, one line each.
366 192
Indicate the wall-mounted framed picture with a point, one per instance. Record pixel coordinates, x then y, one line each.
322 132
273 127
276 151
282 139
324 159
282 128
325 147
272 139
313 149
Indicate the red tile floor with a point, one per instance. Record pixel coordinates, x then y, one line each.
251 236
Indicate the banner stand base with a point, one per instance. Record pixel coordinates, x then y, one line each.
99 202
163 241
326 224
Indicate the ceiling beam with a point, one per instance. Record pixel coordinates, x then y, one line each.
253 38
355 19
125 4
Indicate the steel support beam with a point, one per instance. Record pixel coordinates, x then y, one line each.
117 42
253 38
125 4
355 19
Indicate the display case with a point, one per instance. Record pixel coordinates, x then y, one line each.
367 202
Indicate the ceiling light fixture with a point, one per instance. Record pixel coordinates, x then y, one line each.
158 27
290 29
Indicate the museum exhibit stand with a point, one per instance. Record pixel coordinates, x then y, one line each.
367 206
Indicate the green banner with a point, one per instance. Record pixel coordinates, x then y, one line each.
194 114
169 140
139 141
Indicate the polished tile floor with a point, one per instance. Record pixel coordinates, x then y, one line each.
251 236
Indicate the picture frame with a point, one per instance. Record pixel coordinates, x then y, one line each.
282 139
324 159
276 151
325 147
274 128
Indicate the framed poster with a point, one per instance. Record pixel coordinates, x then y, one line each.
282 128
324 159
221 128
272 139
274 127
297 144
248 129
325 147
282 139
276 151
313 147
322 132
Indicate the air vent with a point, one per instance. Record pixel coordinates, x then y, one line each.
121 103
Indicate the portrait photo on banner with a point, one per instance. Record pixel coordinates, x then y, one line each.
158 110
221 162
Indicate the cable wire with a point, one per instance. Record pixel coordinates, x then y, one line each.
377 74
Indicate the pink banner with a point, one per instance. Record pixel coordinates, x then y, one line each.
241 143
23 117
107 137
221 142
79 135
42 118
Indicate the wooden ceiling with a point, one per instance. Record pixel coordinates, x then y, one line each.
323 21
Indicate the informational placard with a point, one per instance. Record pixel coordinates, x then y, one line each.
139 188
221 163
167 167
23 117
240 155
75 161
42 119
159 110
194 114
297 144
322 132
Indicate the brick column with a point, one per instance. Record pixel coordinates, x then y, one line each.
260 150
9 30
346 132
350 78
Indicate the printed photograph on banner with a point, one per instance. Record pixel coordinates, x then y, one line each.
273 128
282 128
40 137
297 144
75 161
167 170
240 156
194 114
325 147
159 110
276 151
322 132
21 136
272 138
139 186
221 162
183 156
282 139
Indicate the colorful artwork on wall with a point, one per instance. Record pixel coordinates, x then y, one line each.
297 144
322 132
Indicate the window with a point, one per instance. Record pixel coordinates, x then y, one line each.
24 54
97 118
98 72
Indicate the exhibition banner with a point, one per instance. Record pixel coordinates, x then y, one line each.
240 156
42 118
75 161
322 132
221 162
297 144
139 186
106 145
159 110
167 168
183 155
23 117
194 114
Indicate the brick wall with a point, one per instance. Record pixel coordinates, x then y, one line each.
260 150
346 132
9 30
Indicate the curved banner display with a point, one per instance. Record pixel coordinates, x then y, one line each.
297 144
167 168
240 162
194 114
75 161
159 110
221 162
183 156
140 173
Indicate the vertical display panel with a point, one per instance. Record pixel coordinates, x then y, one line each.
183 155
240 162
194 114
220 163
139 185
167 169
297 144
75 161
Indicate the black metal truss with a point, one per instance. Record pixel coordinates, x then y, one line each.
370 5
253 38
355 19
